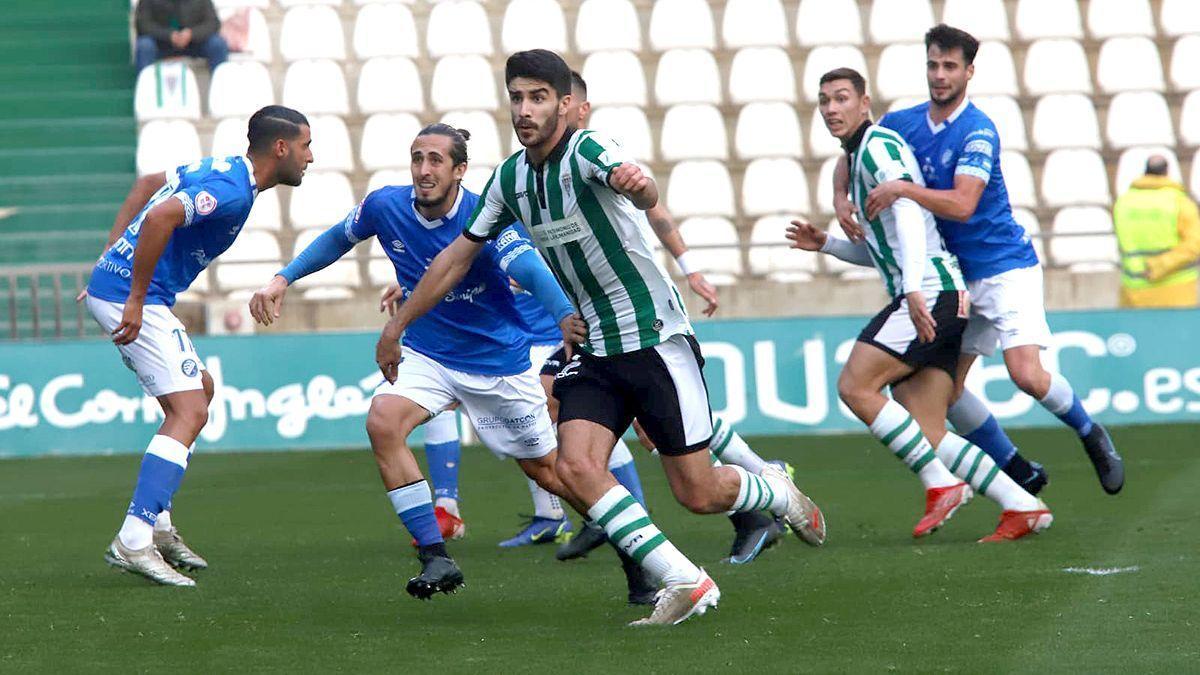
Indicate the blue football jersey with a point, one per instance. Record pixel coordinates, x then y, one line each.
476 328
991 242
542 328
216 194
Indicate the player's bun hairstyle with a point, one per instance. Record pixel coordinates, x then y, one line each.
577 82
540 64
949 37
458 140
272 123
855 77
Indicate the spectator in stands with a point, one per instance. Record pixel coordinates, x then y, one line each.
179 28
1158 230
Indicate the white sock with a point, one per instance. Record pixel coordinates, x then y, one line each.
896 429
451 505
620 455
974 466
1060 396
136 533
968 413
730 448
163 524
627 525
760 493
545 503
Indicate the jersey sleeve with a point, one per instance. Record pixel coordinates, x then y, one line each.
506 247
977 156
598 156
491 214
359 224
213 198
885 160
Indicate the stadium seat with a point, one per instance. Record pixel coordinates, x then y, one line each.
458 27
768 130
628 126
321 200
681 24
296 3
330 144
687 76
1065 121
1139 118
239 88
1194 173
821 60
229 4
1132 165
901 72
822 143
335 281
312 32
1129 64
985 19
615 78
386 177
463 83
1108 18
258 33
900 21
229 137
828 22
316 87
386 140
995 73
530 24
699 188
385 30
1029 220
251 261
825 186
774 186
1180 17
1070 73
1072 177
694 131
1048 19
1093 246
390 84
714 248
484 146
771 255
607 24
265 214
754 23
166 90
762 74
1006 115
1185 76
843 269
167 144
1189 120
476 177
1018 178
380 271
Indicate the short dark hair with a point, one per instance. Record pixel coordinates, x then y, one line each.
1156 165
856 79
949 37
271 123
540 64
458 140
577 82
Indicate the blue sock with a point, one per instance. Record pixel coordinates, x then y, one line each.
414 504
627 476
1061 400
161 473
443 453
1077 418
991 439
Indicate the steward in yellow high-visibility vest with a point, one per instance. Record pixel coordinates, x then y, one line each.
1158 231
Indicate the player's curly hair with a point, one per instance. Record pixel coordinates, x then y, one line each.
949 37
540 64
458 140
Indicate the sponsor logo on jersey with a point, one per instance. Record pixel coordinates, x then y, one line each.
506 238
205 203
189 367
510 423
981 146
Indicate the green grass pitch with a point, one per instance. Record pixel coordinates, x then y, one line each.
309 565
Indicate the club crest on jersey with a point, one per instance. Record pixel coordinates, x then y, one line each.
189 367
566 182
657 325
947 156
205 203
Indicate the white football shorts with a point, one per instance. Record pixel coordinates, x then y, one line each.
538 355
1008 309
162 356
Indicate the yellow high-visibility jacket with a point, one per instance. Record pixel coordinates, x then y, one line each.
1158 229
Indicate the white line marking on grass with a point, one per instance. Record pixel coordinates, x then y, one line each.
1101 571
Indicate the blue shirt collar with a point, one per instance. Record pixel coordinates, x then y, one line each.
431 224
937 128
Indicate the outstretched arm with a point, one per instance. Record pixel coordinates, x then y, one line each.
531 273
325 250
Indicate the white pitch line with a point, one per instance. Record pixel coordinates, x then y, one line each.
1101 571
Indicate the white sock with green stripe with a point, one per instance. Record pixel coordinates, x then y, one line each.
759 493
730 448
974 466
627 525
896 429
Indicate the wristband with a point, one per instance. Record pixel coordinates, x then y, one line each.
682 261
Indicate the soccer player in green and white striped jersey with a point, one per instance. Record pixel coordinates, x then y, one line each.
583 204
912 345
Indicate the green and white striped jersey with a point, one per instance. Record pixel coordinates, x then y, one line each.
903 240
594 239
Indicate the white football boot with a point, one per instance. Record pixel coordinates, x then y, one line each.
678 602
147 562
177 554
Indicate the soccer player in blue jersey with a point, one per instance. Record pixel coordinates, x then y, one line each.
171 226
959 151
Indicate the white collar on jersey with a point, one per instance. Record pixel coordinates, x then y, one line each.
250 173
937 128
430 224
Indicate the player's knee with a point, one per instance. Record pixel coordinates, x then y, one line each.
1027 377
193 415
380 428
850 391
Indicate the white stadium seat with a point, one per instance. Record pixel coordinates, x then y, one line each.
476 177
258 33
995 73
840 267
771 255
1094 246
463 83
229 138
458 27
715 248
380 270
823 143
628 126
901 72
687 76
334 281
1029 220
167 90
1074 177
1006 115
295 3
768 130
484 146
762 74
1108 18
615 78
1070 73
265 214
239 88
166 144
700 187
1139 118
387 139
321 200
607 24
313 32
825 186
1185 76
1018 178
223 5
1129 64
1180 17
828 22
1132 165
694 131
316 87
330 144
900 21
1048 19
386 177
1065 121
754 23
774 186
985 19
530 24
251 261
676 24
390 84
1194 184
385 30
1189 120
821 60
